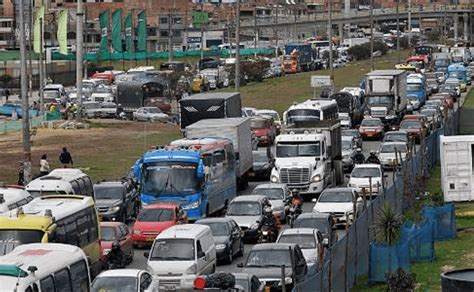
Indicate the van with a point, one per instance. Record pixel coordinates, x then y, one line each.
69 181
44 267
180 253
12 198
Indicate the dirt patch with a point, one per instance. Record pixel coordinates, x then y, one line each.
106 148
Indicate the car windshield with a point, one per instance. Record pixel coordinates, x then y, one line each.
170 178
414 87
391 148
155 215
218 228
108 193
103 89
371 123
380 100
9 238
310 149
244 209
305 241
410 125
153 110
270 193
107 233
260 156
346 145
268 258
274 115
365 172
395 137
296 115
258 124
335 197
319 223
118 283
351 133
173 250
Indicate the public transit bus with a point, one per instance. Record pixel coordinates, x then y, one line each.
311 110
68 219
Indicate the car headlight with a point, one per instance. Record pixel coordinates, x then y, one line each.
274 179
254 226
288 280
136 231
220 246
265 232
106 251
114 209
316 178
192 205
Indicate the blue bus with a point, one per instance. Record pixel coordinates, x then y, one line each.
458 71
198 174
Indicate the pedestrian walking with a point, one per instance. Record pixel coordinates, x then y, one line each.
65 158
21 174
7 94
44 165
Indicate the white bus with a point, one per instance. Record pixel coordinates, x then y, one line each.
312 110
44 267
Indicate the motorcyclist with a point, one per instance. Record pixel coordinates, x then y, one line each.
269 219
116 256
359 157
296 200
373 158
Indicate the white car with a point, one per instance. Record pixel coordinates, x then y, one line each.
338 201
151 114
361 176
249 112
387 155
125 280
355 91
310 241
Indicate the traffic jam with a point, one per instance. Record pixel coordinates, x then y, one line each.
247 200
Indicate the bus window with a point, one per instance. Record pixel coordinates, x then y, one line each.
89 187
71 228
82 187
82 228
62 280
219 156
93 225
80 277
47 284
76 188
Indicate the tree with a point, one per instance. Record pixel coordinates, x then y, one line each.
388 225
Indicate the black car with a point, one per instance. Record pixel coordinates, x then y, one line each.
263 162
116 200
227 236
265 261
324 222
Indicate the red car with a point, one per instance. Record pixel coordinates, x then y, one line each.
111 231
155 218
264 129
371 128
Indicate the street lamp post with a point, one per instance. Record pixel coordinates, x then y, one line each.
372 35
237 49
79 72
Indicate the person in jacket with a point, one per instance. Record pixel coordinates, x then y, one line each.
65 158
44 165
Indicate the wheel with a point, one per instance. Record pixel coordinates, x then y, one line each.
230 256
241 249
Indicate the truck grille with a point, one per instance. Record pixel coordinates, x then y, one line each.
294 176
102 209
169 283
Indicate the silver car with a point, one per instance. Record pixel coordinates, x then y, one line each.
277 194
151 114
388 154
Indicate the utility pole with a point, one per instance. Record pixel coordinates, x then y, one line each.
255 29
30 45
331 67
409 23
25 120
295 33
79 36
372 35
41 76
170 37
202 32
276 28
237 51
398 32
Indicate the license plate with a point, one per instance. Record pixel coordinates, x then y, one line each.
150 239
370 135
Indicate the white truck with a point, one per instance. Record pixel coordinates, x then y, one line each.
350 42
218 77
309 159
457 176
235 129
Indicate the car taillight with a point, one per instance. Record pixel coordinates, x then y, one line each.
200 283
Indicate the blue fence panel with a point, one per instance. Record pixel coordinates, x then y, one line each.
351 256
443 219
362 230
326 276
385 259
338 260
311 283
420 240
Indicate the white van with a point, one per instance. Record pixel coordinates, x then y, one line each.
69 181
44 267
180 253
12 198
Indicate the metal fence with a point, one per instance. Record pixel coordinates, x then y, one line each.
349 258
11 126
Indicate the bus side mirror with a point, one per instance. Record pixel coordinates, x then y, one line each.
200 170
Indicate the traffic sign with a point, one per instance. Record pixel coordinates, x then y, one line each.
200 18
320 81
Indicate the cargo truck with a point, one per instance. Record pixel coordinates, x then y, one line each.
297 58
201 106
441 62
386 95
309 157
236 130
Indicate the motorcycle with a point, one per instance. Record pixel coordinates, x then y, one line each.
266 233
293 209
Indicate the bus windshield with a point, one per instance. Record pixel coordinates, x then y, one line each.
10 238
303 115
170 178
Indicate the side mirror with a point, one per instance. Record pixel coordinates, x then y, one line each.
201 254
326 242
347 175
146 254
240 265
314 200
385 175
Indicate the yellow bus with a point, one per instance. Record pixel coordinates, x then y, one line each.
68 219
